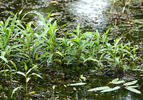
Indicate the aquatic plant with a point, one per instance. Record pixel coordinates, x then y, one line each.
13 81
29 44
27 75
127 85
32 43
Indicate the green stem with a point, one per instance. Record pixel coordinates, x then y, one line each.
26 85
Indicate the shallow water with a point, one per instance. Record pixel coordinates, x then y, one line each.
87 13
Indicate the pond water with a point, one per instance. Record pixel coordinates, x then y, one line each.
87 13
71 12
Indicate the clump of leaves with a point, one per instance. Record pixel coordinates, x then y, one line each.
131 86
27 75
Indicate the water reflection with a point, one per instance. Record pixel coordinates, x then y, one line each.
89 12
128 97
86 12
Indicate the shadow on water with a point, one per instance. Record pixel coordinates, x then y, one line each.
89 14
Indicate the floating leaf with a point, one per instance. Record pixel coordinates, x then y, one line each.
99 88
134 86
115 80
119 82
133 90
130 83
76 84
111 89
55 14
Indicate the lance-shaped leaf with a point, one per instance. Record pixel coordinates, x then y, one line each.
99 88
28 79
133 90
21 73
3 53
34 74
14 90
130 83
76 84
134 86
91 59
117 81
111 89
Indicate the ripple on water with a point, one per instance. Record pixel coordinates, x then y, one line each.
89 12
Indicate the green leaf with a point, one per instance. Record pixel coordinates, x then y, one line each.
3 53
21 73
99 88
91 59
34 67
13 64
4 71
15 91
111 89
16 46
1 87
25 67
107 31
4 59
117 81
7 22
34 74
130 83
28 79
76 84
59 53
134 86
133 90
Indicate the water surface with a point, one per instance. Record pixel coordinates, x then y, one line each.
87 13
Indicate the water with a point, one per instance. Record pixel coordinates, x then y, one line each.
87 13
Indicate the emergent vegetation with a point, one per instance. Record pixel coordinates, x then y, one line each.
34 47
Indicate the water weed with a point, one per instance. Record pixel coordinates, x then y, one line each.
45 45
31 45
